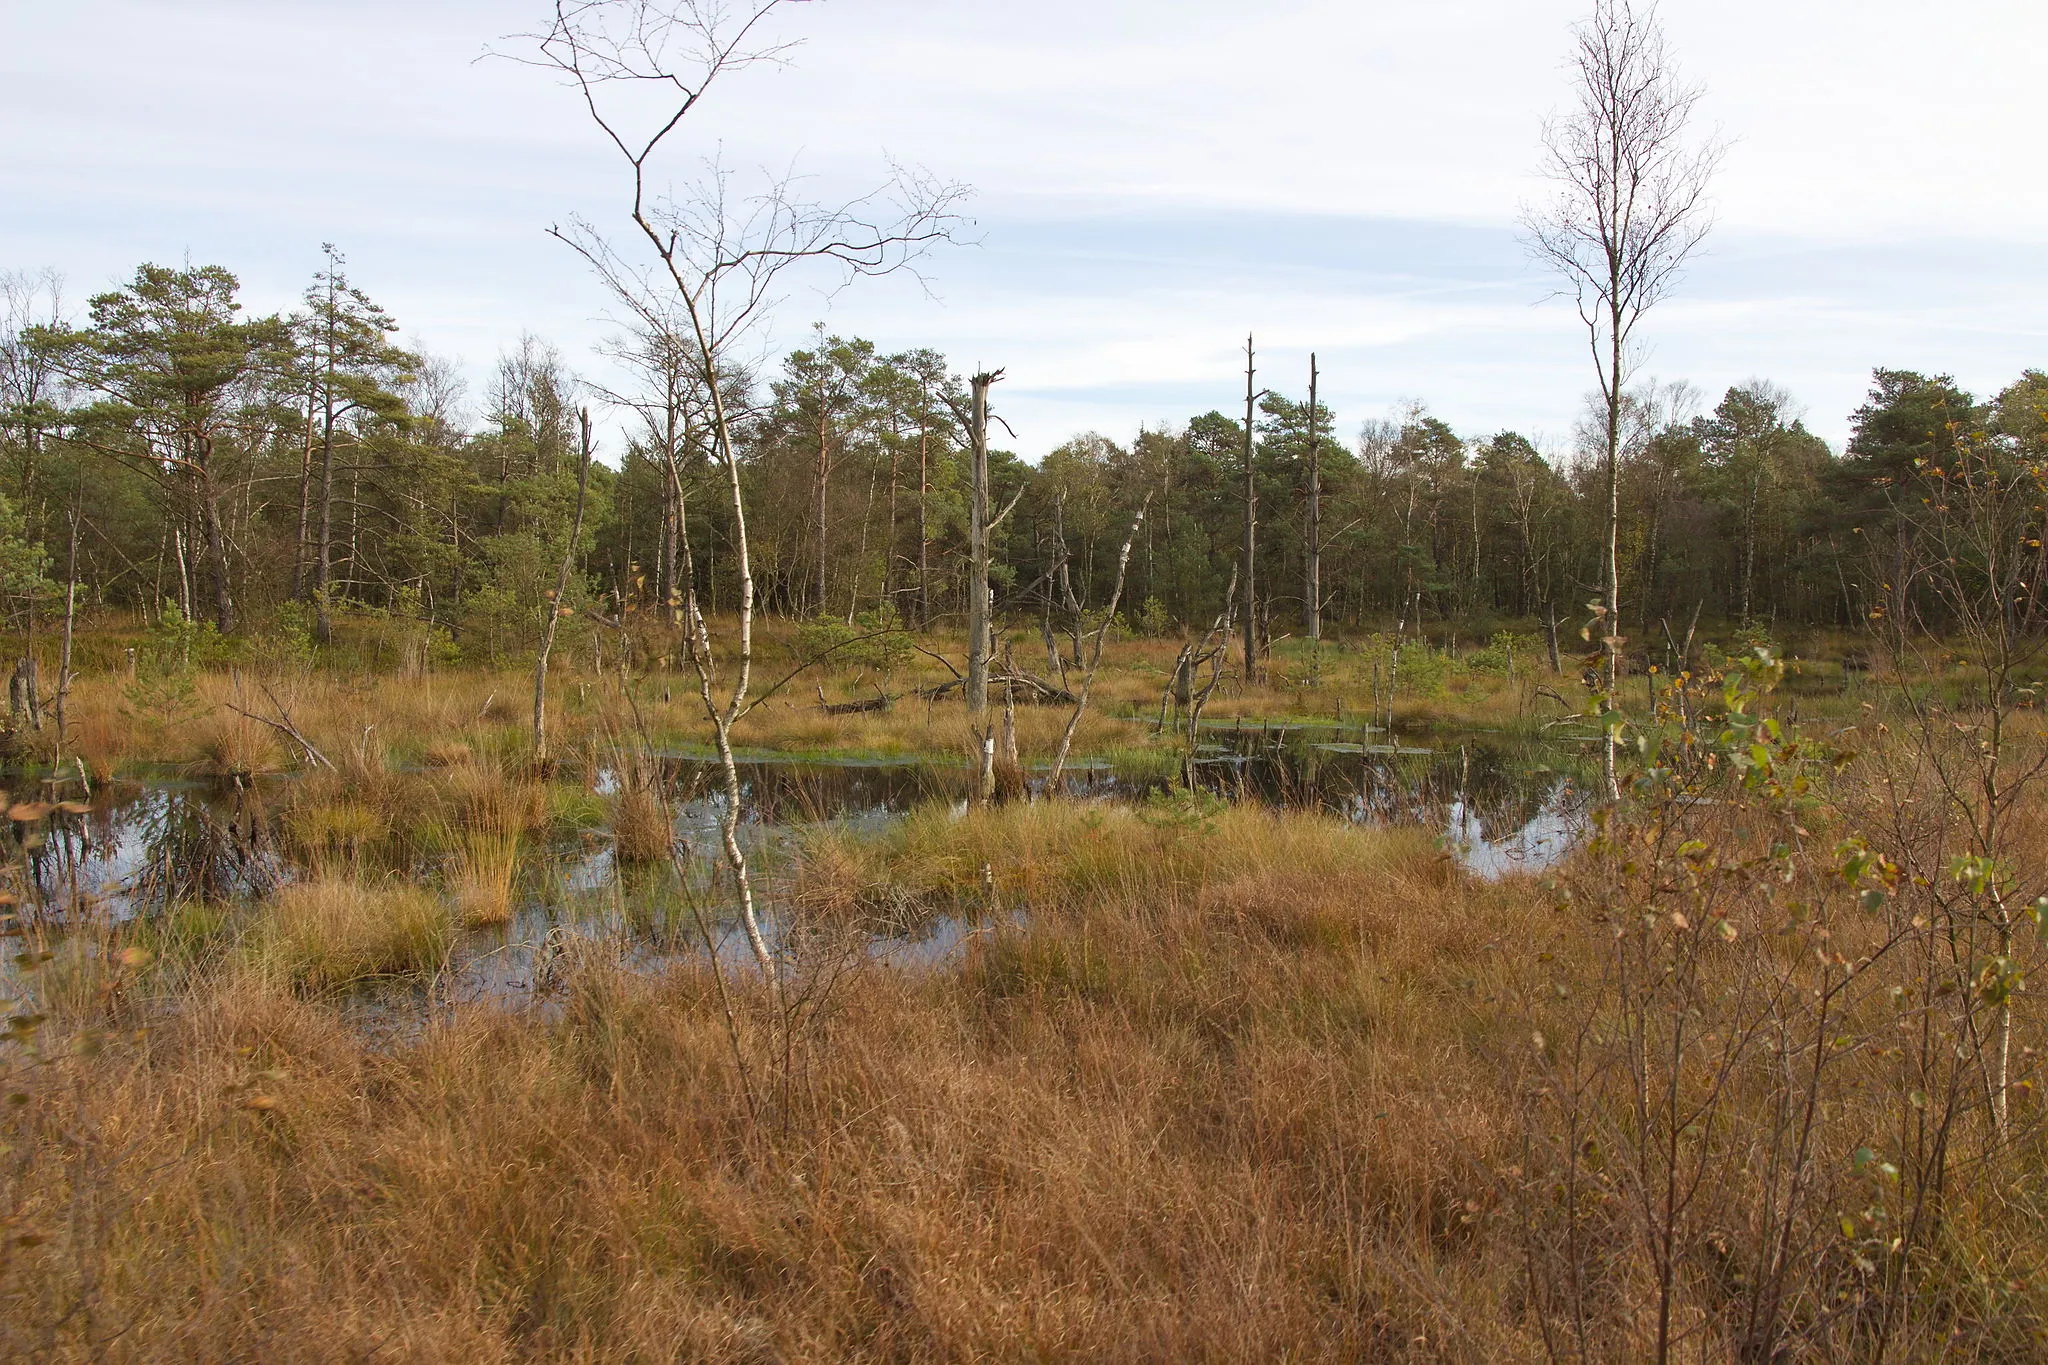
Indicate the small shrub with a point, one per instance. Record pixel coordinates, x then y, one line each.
1423 670
1151 620
288 643
1506 655
176 645
839 645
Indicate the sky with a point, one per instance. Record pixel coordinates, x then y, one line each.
1153 180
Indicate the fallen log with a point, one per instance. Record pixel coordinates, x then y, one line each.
881 701
1025 687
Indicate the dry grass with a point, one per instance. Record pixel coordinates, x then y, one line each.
334 835
446 754
491 814
1205 1086
1145 1128
1152 1126
331 932
444 719
484 879
640 824
224 744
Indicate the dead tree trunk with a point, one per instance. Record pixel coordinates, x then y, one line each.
1249 553
1312 545
70 615
977 584
1123 563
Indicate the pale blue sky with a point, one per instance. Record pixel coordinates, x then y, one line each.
1154 178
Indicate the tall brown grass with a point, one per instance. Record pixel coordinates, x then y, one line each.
1197 1084
492 812
1203 1085
225 744
1151 1125
485 877
640 824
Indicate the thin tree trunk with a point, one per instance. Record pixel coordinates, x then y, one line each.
323 570
1312 586
1749 544
1249 551
889 537
216 552
554 605
977 586
1123 563
300 546
824 473
723 718
924 537
1612 624
184 571
64 656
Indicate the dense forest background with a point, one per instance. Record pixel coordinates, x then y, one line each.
238 475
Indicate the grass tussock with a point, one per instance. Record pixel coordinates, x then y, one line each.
332 932
484 879
335 835
491 814
446 754
640 824
224 744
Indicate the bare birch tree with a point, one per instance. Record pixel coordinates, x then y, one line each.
713 253
1312 538
1630 207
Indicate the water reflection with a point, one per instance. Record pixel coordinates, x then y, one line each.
1502 805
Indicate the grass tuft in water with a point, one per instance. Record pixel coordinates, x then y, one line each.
333 932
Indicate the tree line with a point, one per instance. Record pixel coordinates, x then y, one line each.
228 468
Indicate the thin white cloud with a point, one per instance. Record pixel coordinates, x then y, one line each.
1156 178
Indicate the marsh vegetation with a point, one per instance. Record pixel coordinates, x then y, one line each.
809 884
1230 1046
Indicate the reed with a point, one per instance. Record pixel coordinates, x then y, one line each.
336 835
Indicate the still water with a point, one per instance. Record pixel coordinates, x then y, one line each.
1500 804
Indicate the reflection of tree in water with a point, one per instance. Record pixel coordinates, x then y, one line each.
788 793
1505 784
201 844
139 850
